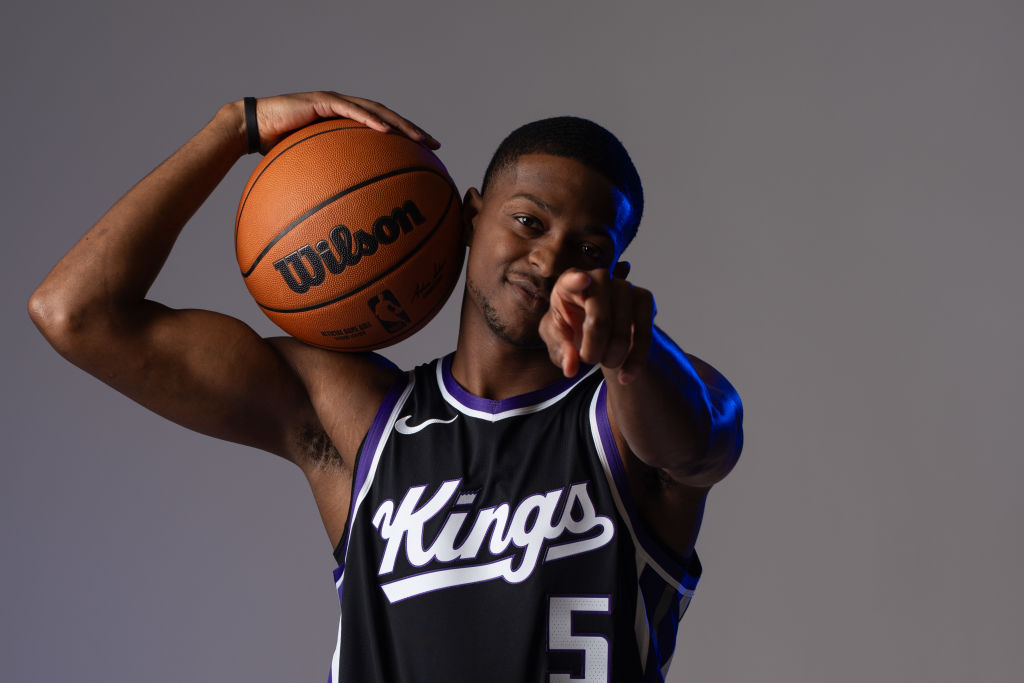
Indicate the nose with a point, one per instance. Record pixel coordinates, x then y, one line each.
548 256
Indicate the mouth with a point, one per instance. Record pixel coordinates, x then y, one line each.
529 293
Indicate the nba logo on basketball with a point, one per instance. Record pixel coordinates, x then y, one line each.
388 311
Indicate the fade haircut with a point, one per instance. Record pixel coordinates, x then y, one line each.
579 139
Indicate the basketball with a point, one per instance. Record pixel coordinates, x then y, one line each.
348 238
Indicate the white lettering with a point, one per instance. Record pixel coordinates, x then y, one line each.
408 524
530 527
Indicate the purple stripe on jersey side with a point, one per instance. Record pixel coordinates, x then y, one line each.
365 457
339 582
380 421
649 543
486 405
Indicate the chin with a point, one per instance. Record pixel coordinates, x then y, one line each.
527 340
523 334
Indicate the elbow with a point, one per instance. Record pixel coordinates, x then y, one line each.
715 464
42 312
55 319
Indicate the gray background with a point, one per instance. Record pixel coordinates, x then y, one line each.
834 220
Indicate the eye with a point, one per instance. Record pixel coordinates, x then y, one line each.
590 251
528 221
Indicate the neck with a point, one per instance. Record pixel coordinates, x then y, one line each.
490 367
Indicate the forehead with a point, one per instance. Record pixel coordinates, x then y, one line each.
564 186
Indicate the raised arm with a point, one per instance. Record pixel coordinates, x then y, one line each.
677 421
203 370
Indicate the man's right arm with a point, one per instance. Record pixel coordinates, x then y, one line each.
203 370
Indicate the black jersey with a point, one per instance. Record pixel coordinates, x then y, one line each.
496 541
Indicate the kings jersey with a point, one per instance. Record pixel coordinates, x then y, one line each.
493 541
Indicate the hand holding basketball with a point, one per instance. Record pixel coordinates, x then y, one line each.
280 115
595 317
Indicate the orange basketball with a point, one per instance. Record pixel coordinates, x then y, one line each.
349 238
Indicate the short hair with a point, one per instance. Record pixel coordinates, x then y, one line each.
579 139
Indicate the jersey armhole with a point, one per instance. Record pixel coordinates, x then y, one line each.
684 574
369 451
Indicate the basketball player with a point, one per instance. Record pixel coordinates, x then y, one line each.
524 509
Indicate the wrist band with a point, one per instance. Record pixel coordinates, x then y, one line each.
251 127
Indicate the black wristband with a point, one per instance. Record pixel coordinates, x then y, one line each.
251 127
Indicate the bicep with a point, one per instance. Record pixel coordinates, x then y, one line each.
205 371
671 485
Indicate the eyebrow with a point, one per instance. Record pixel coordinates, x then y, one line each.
536 200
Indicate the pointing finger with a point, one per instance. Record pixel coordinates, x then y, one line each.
572 286
557 331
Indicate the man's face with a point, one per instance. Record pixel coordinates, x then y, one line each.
541 216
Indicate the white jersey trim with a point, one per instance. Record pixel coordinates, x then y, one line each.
504 414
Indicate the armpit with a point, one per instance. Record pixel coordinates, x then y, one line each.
315 447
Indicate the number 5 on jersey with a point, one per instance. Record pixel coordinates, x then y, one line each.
561 636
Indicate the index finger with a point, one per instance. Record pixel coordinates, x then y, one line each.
573 285
392 119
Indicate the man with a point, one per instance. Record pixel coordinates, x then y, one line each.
524 509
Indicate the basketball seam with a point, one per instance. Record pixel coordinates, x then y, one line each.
380 276
291 226
277 156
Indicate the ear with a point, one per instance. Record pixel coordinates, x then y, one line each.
471 205
620 271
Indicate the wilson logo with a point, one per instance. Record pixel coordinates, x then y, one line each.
308 266
512 541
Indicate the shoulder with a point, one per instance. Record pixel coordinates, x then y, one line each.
337 369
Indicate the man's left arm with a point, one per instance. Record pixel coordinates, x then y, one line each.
673 411
676 420
677 413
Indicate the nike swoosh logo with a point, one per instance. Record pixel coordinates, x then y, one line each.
402 425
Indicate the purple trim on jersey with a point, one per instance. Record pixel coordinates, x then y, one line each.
650 545
365 457
376 430
493 407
